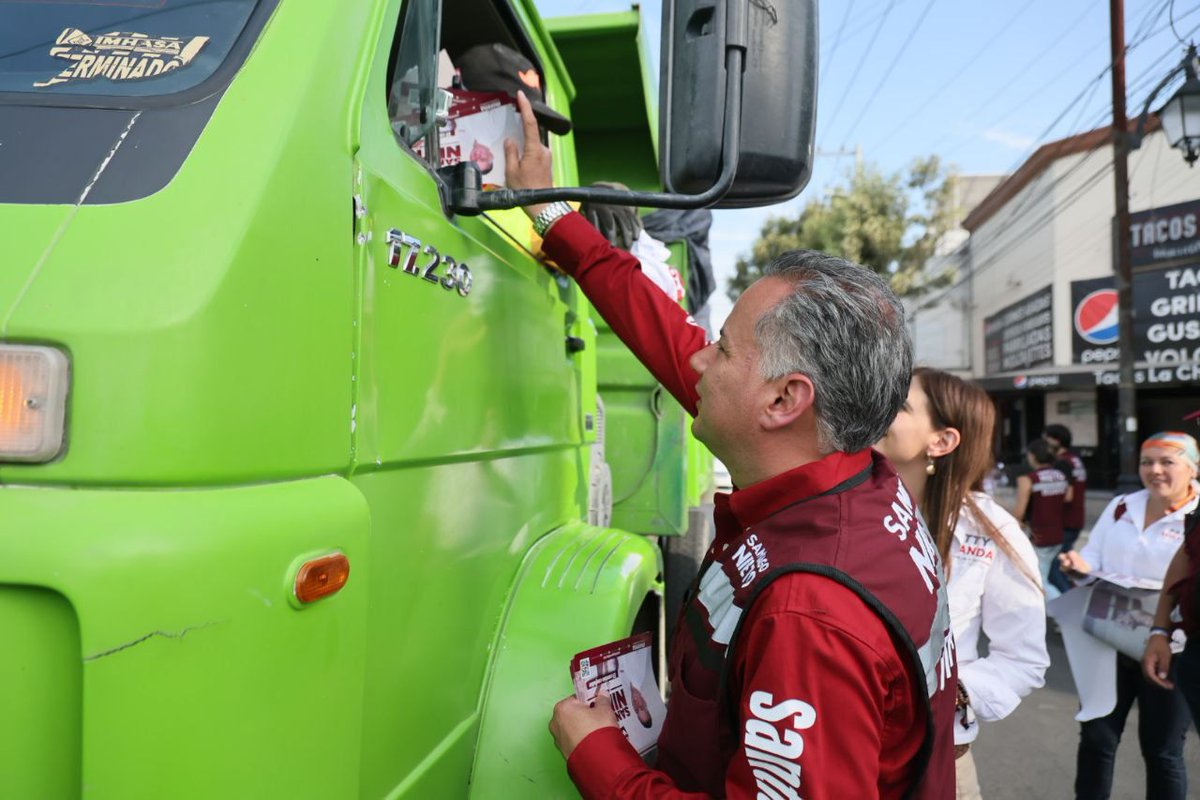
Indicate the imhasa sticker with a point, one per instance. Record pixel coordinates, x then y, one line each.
121 56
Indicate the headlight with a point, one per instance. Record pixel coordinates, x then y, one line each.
33 395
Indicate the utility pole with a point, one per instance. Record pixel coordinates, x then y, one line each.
1126 389
856 152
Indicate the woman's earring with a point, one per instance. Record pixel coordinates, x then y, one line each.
930 467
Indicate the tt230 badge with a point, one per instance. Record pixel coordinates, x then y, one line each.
405 251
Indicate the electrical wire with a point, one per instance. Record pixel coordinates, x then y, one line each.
837 39
1171 18
861 61
960 71
1007 226
1143 34
887 73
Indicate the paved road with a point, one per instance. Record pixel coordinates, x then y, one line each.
1031 754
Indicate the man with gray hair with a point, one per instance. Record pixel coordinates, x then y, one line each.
813 656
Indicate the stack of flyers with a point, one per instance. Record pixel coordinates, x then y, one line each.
624 671
476 125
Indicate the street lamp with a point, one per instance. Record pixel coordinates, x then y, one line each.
1180 116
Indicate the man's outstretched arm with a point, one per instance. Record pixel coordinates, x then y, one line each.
658 331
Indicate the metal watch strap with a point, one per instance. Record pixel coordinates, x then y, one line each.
549 215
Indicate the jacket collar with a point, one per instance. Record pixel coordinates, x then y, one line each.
750 506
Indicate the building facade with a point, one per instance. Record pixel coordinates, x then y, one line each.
1032 315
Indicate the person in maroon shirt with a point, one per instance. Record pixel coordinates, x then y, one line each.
813 656
1071 465
1042 497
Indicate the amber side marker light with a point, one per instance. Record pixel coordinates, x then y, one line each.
33 394
321 577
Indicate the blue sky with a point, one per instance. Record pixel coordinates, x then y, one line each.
980 84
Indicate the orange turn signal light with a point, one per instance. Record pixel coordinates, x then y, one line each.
320 577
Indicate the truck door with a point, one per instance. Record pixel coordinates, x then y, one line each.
467 424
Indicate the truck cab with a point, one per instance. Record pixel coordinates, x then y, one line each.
301 485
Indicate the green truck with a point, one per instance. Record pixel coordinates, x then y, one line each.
301 463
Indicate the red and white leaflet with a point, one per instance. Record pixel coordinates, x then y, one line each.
477 123
625 672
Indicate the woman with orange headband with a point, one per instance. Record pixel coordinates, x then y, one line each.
1138 535
1181 588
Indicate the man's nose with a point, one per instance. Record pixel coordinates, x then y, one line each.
700 358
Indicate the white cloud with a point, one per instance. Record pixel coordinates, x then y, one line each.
1013 141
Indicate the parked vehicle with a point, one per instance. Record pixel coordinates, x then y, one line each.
300 462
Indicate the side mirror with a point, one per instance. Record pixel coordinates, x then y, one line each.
779 96
715 52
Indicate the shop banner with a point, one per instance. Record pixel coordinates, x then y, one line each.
1166 328
1020 336
1165 234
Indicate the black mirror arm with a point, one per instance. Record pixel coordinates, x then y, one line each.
511 198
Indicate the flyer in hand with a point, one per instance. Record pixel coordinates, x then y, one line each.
624 671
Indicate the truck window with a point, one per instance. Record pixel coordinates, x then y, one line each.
422 61
138 48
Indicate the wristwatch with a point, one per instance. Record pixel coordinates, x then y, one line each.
550 215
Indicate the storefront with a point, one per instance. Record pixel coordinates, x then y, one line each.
1030 392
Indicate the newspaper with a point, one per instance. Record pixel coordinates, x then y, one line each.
624 671
1110 614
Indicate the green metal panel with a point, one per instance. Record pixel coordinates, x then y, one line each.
616 110
651 485
199 679
209 324
578 587
41 754
235 336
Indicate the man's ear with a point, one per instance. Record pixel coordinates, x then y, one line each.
793 394
944 441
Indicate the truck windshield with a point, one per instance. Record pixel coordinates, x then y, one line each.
115 48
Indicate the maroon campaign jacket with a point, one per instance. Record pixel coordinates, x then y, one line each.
1047 504
839 639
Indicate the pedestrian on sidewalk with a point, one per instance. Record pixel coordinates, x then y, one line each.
1138 535
941 444
1181 589
1042 498
1071 465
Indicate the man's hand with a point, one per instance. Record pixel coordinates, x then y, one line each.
573 721
1157 660
531 169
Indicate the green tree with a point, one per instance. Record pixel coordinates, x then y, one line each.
890 223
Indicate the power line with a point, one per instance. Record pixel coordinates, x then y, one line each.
1004 247
1006 227
1135 42
837 39
1012 81
861 61
887 73
1015 213
961 70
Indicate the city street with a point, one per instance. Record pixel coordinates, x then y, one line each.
1031 754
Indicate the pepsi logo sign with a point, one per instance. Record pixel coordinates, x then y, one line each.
1096 317
1020 381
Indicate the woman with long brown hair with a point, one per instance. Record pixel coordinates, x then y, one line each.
941 444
